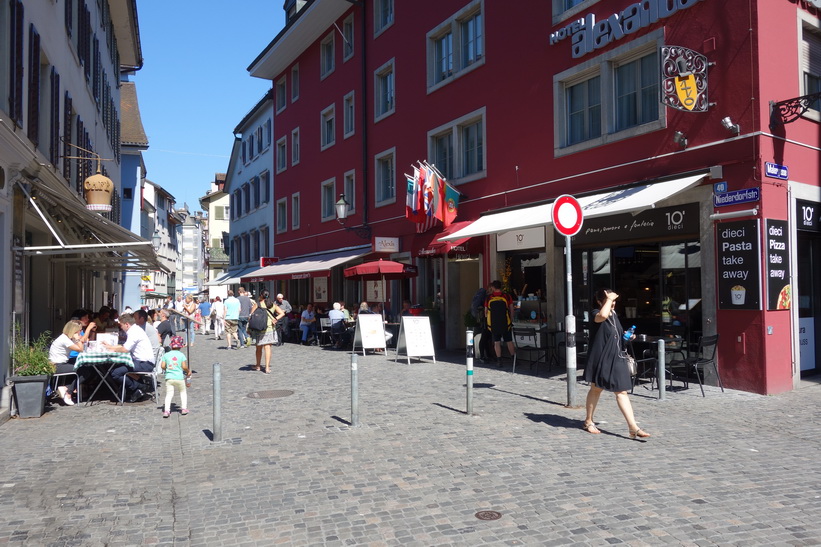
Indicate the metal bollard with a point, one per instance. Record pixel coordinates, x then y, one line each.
661 374
469 372
217 403
354 391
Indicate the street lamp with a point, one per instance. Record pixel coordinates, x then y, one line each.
156 240
342 206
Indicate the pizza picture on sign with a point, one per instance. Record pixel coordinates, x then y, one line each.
784 299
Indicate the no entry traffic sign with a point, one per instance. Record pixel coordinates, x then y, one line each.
567 215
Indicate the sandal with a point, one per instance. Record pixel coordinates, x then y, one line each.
256 368
591 428
640 433
267 370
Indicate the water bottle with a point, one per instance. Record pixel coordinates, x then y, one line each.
628 334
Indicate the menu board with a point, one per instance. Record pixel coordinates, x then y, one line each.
415 339
370 332
779 294
739 271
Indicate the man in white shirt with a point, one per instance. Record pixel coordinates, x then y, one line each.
179 307
141 320
139 346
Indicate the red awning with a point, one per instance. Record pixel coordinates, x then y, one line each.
428 244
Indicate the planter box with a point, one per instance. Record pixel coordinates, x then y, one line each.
30 395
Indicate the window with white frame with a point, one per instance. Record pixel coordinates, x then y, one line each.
458 147
456 45
328 127
282 215
281 96
295 146
295 211
328 197
385 177
294 83
326 56
349 189
583 103
610 97
282 154
811 66
383 83
348 115
347 38
561 6
382 15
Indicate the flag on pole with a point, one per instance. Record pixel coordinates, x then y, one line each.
451 205
427 200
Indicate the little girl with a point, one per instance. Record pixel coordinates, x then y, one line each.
176 369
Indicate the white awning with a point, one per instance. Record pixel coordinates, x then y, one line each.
310 266
231 278
219 280
625 200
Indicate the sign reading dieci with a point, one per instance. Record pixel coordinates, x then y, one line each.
679 220
587 34
779 295
739 279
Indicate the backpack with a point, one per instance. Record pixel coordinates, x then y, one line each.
259 319
499 313
478 303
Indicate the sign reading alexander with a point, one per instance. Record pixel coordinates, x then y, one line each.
739 279
587 35
779 295
680 220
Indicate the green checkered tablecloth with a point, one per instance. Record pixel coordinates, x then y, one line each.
103 357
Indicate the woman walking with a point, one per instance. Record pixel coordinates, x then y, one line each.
267 337
605 368
219 318
190 311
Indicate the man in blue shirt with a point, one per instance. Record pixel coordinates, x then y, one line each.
205 312
232 306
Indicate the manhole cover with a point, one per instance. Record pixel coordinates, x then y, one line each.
270 394
488 515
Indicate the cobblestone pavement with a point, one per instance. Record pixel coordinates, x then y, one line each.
729 469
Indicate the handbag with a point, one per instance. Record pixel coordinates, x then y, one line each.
628 359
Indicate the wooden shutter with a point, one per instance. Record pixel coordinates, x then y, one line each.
33 122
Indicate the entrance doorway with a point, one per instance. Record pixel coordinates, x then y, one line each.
809 302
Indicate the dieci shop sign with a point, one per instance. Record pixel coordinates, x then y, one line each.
739 279
679 220
778 266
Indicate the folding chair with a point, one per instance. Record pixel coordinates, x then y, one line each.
153 374
79 384
323 334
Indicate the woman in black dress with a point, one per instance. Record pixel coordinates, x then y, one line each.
605 369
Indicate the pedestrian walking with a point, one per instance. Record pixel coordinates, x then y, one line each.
245 305
606 369
176 371
231 305
219 317
499 306
267 337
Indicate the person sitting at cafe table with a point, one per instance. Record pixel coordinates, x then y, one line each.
139 346
406 307
86 331
338 326
141 319
58 354
345 311
101 319
307 324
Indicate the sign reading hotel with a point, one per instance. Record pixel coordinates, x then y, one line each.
779 294
587 35
739 279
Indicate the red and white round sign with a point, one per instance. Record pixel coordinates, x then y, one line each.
567 215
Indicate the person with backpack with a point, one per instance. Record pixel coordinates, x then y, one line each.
265 332
482 340
499 312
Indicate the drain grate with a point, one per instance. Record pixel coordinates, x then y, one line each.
270 394
488 515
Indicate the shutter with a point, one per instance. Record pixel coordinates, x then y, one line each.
54 118
67 138
811 53
33 122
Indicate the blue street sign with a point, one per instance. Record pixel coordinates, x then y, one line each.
720 187
775 171
737 196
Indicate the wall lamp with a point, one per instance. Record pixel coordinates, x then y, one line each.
342 208
728 124
156 240
680 139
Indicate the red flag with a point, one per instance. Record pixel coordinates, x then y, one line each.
412 211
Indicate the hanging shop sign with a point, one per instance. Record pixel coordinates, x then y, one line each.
267 261
808 215
587 35
678 220
684 79
526 238
779 294
739 279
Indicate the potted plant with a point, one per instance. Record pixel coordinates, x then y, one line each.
31 373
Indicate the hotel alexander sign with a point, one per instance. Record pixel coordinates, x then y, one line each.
684 79
587 34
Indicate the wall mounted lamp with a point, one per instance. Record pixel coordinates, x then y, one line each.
342 206
680 139
156 240
728 124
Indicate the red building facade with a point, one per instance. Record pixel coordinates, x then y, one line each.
701 199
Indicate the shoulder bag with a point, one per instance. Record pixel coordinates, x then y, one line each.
628 359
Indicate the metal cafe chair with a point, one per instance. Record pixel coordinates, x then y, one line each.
525 340
55 378
705 356
153 374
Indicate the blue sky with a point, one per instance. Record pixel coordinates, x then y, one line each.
194 88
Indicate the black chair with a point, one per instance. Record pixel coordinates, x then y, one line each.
704 356
525 340
646 365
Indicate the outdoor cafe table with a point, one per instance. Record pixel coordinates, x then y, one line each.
103 362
